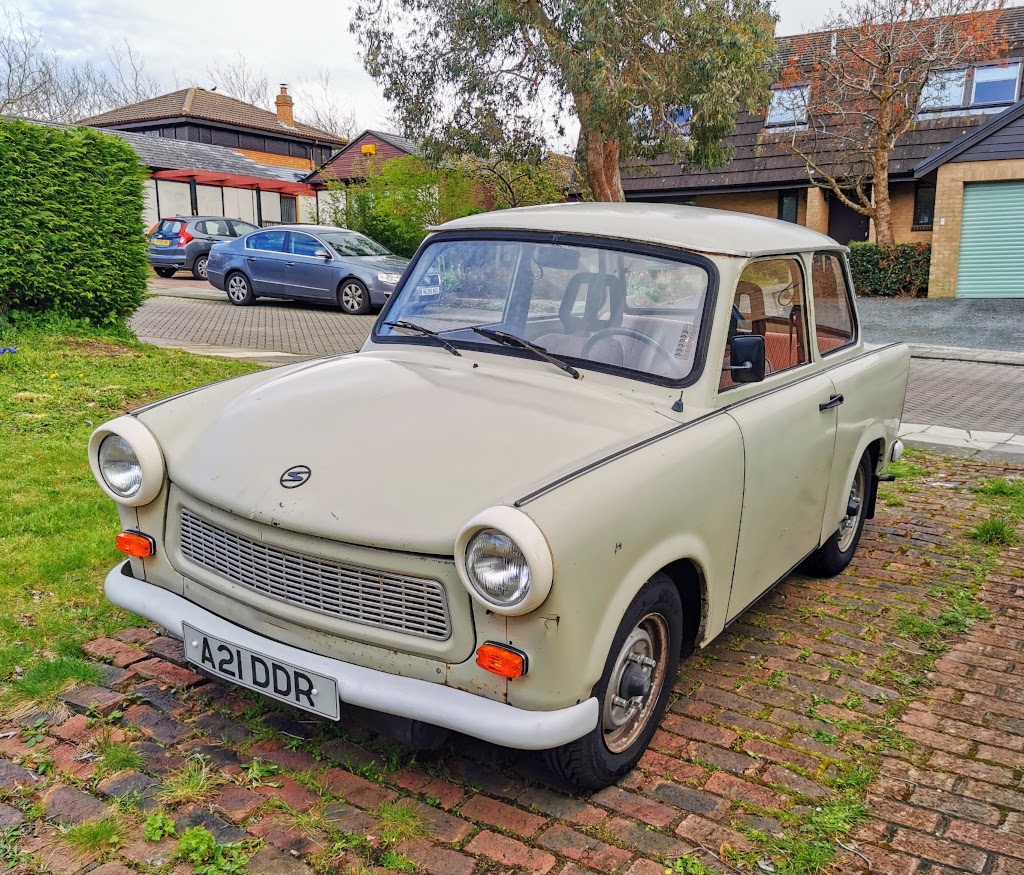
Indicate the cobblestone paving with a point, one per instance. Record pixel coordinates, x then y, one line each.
970 395
777 726
285 326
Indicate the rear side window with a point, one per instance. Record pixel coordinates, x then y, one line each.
833 315
267 241
171 227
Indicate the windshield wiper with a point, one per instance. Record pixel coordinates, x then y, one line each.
539 351
426 332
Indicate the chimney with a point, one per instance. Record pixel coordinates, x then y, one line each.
283 102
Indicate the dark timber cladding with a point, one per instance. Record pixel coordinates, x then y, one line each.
761 159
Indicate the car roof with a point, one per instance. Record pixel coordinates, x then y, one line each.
201 218
721 232
313 229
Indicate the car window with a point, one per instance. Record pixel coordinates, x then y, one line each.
770 300
303 244
243 227
217 227
591 304
170 226
267 241
352 243
833 316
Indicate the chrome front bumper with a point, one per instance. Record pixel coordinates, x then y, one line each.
453 709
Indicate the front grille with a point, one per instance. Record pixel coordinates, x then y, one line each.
413 605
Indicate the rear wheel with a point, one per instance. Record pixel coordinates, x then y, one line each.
354 297
165 272
835 554
239 290
633 691
199 267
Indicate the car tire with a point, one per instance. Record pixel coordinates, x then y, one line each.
651 628
199 267
354 297
835 554
165 272
239 289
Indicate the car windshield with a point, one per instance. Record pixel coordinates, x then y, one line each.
351 243
587 304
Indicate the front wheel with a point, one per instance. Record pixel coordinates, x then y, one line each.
354 297
835 554
239 290
633 691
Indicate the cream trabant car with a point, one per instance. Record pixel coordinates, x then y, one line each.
579 441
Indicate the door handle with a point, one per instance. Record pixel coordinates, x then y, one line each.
833 401
250 258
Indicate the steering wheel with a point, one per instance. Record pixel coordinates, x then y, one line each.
636 335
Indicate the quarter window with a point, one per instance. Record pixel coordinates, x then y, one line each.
770 301
267 241
788 107
833 317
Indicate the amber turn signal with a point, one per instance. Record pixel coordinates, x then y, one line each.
136 544
501 660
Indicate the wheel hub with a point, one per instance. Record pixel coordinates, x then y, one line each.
636 682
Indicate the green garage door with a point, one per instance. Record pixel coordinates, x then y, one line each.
992 241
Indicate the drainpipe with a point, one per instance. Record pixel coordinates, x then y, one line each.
259 206
193 194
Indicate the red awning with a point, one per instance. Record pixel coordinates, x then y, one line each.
235 180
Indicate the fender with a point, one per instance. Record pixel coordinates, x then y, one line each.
835 511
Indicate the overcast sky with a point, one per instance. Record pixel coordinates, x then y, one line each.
180 38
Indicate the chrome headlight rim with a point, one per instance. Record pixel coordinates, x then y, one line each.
146 450
524 533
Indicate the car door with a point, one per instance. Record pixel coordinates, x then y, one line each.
265 257
309 275
869 391
788 435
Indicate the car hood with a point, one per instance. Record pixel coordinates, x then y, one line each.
402 451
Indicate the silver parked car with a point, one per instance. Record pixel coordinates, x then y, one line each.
315 262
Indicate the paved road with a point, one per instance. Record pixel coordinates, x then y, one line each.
981 323
967 395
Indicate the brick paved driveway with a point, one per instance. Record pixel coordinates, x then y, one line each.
777 731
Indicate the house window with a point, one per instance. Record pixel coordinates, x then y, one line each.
995 84
788 107
943 90
924 206
789 205
287 209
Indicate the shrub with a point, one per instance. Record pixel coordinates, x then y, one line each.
890 271
71 236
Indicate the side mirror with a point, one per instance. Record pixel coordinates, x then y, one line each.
746 352
322 253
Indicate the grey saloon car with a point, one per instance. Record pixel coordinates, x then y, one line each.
184 242
314 262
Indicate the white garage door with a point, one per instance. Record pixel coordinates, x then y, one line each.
992 241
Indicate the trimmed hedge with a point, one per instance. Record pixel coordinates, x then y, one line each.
890 271
71 235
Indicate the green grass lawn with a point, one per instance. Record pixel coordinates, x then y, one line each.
56 527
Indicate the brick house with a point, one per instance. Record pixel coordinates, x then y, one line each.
348 165
766 178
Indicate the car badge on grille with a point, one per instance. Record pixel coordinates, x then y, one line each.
295 476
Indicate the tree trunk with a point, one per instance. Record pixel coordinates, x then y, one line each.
880 188
603 168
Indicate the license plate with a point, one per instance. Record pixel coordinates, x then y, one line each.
161 242
280 680
430 291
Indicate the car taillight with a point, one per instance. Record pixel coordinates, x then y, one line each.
184 237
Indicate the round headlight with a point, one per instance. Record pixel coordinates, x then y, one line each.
120 466
497 567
